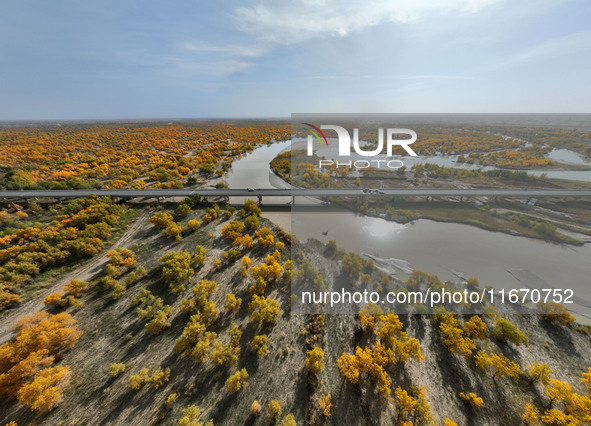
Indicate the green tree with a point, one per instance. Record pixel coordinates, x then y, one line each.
505 330
352 264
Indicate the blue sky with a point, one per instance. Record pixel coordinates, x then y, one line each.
75 59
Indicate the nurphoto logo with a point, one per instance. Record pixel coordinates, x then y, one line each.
344 144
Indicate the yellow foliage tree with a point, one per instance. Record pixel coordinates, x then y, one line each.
46 389
472 399
539 373
160 377
232 302
476 328
314 362
137 381
237 381
259 344
454 337
531 415
274 410
501 365
325 404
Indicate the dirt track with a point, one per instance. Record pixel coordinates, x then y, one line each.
83 272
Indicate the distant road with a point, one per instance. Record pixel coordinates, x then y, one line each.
163 193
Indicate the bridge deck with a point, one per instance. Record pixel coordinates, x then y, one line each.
154 193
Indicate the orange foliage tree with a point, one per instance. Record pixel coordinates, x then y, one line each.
25 363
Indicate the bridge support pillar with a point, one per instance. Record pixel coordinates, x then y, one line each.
293 200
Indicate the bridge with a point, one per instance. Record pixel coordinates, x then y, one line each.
295 192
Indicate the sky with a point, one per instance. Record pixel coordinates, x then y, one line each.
124 59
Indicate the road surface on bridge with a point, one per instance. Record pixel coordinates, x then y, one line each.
299 192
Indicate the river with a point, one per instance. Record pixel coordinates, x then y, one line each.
445 249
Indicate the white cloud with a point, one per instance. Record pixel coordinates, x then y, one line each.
435 77
265 24
198 58
281 22
218 67
246 51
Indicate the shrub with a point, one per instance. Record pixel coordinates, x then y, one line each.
352 264
539 373
265 237
314 362
476 328
232 255
258 287
263 310
237 381
232 302
190 415
555 312
252 222
274 410
531 415
116 369
175 230
75 287
505 330
160 377
176 268
259 344
137 381
161 220
160 320
288 420
172 398
405 404
472 399
586 379
325 404
183 209
52 299
118 291
454 337
501 365
26 361
199 258
255 408
193 225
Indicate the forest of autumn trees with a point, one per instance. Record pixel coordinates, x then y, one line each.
77 230
125 155
87 157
